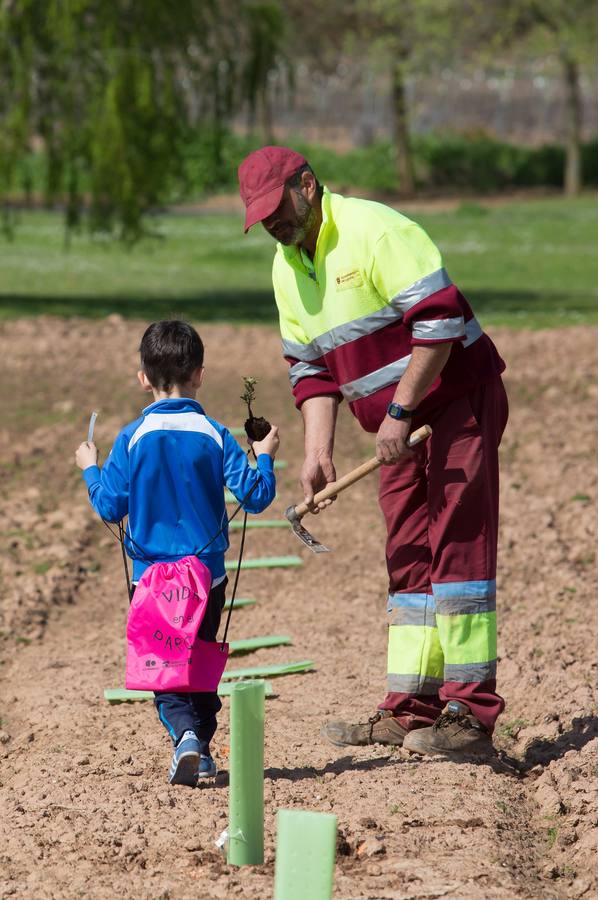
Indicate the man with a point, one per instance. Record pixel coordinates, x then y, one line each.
369 314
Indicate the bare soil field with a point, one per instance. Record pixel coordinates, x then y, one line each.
86 809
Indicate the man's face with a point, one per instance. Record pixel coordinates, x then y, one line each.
293 219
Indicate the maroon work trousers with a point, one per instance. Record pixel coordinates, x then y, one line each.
441 512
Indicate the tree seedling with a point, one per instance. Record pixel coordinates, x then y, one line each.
256 427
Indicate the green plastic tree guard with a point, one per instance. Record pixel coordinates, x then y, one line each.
265 562
305 852
123 695
239 602
247 645
235 525
246 775
270 671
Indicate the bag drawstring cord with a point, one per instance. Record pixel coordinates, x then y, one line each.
121 539
237 573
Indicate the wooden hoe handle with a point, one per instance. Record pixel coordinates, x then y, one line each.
335 487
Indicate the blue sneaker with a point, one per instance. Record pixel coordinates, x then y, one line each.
185 761
207 767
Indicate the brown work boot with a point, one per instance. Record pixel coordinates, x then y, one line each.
455 732
381 728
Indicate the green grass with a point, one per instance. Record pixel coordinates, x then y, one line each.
525 264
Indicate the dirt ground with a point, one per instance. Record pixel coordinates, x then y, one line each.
86 810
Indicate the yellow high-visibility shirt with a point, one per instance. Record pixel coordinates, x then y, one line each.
376 286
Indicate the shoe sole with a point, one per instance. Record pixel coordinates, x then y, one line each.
482 753
185 771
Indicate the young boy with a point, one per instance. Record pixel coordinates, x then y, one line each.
167 471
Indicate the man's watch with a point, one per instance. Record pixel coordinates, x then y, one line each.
396 411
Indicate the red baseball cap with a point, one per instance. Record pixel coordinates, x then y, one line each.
262 176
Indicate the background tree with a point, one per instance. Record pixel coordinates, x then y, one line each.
565 31
569 30
401 38
112 91
266 33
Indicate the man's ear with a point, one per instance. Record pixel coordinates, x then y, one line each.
309 187
143 381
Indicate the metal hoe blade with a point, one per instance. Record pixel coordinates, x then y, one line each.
303 534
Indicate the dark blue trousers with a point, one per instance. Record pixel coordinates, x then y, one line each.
195 711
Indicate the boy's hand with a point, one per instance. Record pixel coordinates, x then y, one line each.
86 455
269 444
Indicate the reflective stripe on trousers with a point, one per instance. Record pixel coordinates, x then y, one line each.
441 511
437 645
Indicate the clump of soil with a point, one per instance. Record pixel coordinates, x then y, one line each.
256 427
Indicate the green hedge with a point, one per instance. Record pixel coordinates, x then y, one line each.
441 161
447 162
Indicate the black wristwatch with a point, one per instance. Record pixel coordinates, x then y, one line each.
396 411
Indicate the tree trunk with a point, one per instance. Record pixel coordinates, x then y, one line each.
573 111
401 132
266 113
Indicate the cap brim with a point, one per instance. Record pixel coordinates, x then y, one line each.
263 207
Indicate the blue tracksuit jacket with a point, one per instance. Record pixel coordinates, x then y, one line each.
167 471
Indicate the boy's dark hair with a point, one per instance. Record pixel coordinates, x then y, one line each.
170 351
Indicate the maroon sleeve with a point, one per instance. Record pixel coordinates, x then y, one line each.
437 319
311 379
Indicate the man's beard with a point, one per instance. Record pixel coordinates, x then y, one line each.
304 222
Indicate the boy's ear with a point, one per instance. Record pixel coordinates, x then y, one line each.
143 381
197 377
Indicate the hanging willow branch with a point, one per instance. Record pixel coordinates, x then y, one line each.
105 97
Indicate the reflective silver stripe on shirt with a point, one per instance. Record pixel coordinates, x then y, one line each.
421 289
368 324
473 331
351 331
342 334
302 370
304 352
375 381
438 329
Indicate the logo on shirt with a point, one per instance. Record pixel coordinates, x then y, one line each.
347 280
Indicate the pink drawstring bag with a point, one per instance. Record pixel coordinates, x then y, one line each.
164 652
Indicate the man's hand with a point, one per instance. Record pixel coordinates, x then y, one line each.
391 440
86 455
316 473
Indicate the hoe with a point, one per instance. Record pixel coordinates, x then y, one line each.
295 513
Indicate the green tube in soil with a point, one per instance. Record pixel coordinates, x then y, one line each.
305 851
246 775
